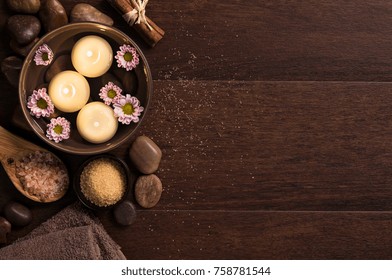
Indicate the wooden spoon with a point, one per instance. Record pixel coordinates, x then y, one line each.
13 149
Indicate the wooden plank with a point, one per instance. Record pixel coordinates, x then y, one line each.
264 40
270 145
267 145
255 235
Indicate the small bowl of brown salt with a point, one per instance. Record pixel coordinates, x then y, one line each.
102 182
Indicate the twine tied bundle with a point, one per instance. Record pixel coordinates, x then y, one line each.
134 13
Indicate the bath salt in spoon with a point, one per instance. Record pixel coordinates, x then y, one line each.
35 172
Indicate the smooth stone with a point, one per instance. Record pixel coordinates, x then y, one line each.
11 67
19 120
60 64
148 190
85 12
17 214
5 228
145 155
97 83
23 28
125 213
52 15
22 50
24 6
128 80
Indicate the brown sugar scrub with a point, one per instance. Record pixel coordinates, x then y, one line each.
103 182
42 175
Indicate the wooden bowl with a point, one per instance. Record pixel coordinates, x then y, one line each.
77 188
61 42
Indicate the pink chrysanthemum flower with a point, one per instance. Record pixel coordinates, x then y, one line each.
127 109
127 57
43 55
40 104
109 92
58 129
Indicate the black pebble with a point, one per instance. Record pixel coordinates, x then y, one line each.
17 214
125 213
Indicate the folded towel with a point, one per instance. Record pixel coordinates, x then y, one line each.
72 234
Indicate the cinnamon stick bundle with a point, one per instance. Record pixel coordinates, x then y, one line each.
149 31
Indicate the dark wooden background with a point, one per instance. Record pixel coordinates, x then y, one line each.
275 122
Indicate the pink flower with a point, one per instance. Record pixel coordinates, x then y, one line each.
58 129
127 57
43 55
40 104
127 109
109 92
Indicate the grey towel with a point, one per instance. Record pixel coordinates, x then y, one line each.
72 234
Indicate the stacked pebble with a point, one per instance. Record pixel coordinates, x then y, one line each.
32 19
146 156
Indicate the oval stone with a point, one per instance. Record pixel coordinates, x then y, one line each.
5 228
148 190
52 15
11 67
22 50
125 213
145 155
62 63
128 79
23 28
24 6
17 214
85 12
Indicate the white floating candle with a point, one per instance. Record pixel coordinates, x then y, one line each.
96 122
69 91
92 56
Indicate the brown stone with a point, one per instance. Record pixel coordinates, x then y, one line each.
85 12
22 50
17 214
11 67
52 15
19 120
148 190
62 63
5 228
145 155
128 80
24 6
23 28
125 213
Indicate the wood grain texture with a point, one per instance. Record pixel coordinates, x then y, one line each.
257 235
274 122
265 40
273 145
